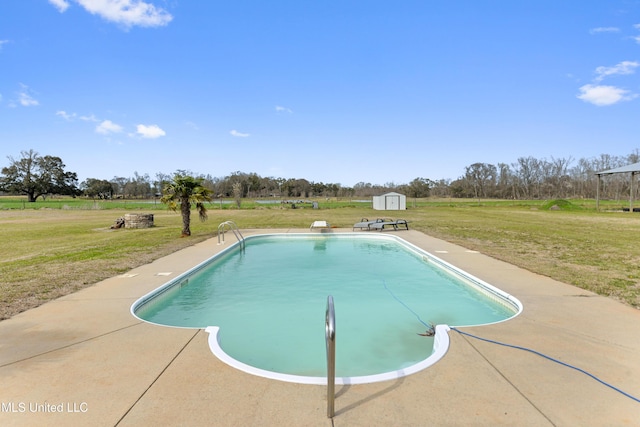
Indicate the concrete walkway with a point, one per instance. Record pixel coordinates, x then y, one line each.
85 360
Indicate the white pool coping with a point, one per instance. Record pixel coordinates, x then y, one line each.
440 348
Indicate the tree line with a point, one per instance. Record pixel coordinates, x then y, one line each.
37 176
532 178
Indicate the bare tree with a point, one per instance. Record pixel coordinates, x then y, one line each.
482 178
237 193
527 171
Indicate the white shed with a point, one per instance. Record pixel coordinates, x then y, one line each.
390 202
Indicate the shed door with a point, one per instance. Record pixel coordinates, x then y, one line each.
392 203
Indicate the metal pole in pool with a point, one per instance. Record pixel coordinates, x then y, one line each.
330 335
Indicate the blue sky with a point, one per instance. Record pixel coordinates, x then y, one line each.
331 91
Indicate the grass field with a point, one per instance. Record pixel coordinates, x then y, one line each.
55 247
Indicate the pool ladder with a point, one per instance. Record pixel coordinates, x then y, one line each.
330 336
234 228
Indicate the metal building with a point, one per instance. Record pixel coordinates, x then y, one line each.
390 202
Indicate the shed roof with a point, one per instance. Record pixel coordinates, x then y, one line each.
392 193
635 167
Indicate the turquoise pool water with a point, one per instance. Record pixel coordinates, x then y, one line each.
269 302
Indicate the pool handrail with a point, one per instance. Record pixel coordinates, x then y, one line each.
234 228
330 336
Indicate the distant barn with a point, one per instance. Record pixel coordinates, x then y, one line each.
390 202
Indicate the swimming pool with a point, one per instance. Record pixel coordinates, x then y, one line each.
264 305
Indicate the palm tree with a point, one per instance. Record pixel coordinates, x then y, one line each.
184 191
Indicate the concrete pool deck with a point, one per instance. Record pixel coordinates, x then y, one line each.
83 359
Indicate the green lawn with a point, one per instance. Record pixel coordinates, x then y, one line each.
58 246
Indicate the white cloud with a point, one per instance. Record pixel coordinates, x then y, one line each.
24 97
604 30
625 67
127 12
72 116
238 134
192 125
90 118
151 132
280 109
107 127
65 115
61 5
601 95
637 38
3 42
